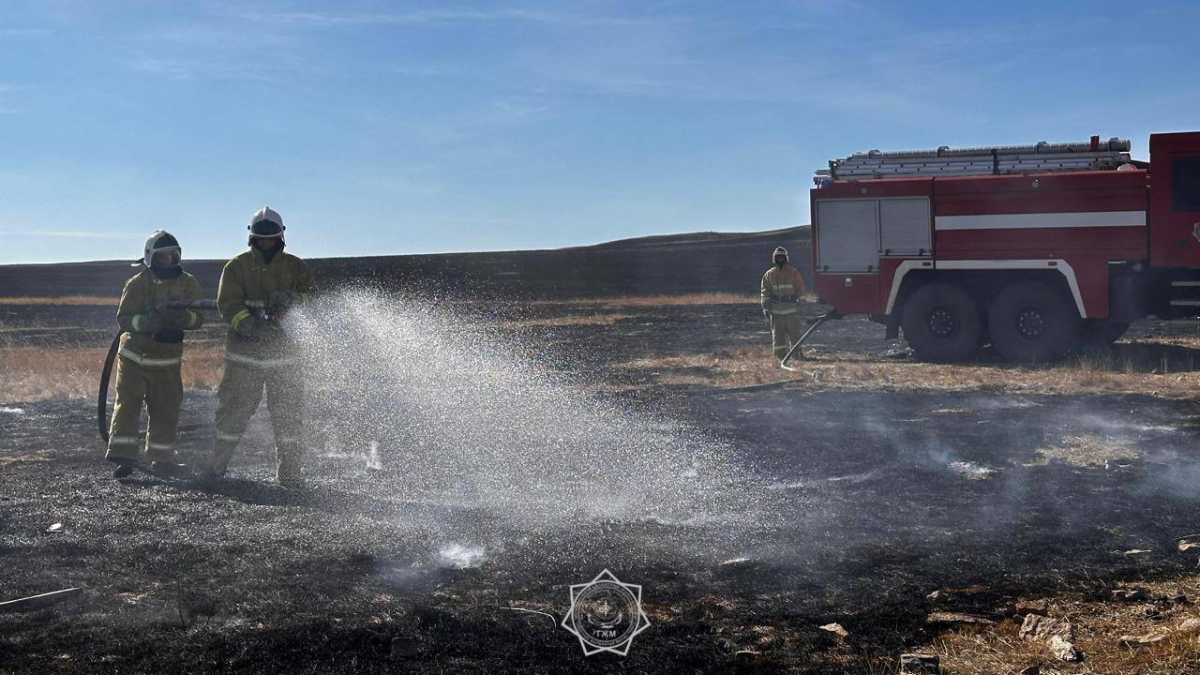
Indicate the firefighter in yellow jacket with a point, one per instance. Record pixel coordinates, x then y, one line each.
257 290
153 315
782 288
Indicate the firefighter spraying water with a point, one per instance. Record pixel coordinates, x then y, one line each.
257 290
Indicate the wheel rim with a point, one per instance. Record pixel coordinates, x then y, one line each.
1031 323
941 322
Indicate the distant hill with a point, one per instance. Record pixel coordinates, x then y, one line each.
674 263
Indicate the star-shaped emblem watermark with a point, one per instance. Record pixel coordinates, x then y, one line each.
606 614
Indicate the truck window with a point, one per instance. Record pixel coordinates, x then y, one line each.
1185 184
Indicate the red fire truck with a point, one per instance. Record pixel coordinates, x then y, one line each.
1036 249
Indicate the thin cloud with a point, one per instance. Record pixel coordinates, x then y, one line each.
64 234
436 16
5 107
25 32
213 68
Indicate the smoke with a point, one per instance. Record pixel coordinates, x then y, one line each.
451 413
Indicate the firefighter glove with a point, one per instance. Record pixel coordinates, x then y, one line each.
150 322
244 324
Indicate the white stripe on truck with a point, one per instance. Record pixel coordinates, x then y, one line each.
1016 221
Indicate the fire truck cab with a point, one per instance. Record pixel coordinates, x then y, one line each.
1037 250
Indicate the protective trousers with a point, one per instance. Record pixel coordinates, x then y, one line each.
161 387
238 397
785 331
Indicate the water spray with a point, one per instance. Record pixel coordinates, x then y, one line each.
453 412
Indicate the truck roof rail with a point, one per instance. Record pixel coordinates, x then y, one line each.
1005 159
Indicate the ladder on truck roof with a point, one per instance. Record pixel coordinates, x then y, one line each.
946 161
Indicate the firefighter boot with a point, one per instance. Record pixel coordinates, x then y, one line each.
287 471
218 463
170 469
124 466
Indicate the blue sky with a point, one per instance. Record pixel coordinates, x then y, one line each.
389 128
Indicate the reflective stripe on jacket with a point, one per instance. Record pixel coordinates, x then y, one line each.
782 285
146 293
247 282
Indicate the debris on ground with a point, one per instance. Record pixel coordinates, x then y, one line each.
946 594
958 618
1039 627
54 528
1064 650
1057 633
920 664
1031 607
1130 594
1135 641
746 655
836 629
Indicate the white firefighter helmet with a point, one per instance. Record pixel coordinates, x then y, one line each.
779 251
266 223
160 241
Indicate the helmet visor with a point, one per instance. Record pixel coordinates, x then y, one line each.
266 228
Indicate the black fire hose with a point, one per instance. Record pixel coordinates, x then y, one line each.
812 326
105 376
111 358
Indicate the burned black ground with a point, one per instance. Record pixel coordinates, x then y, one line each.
872 500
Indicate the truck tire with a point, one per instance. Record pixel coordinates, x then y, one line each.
941 323
1032 322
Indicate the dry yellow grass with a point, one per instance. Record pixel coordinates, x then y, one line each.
1087 450
1099 629
37 374
748 366
658 300
581 320
76 300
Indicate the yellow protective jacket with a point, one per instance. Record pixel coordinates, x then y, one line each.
247 283
781 288
144 296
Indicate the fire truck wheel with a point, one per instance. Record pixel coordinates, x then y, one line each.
941 323
1032 322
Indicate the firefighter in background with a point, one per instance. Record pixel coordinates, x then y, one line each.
153 315
782 287
257 290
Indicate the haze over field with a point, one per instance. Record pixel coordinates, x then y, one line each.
403 128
